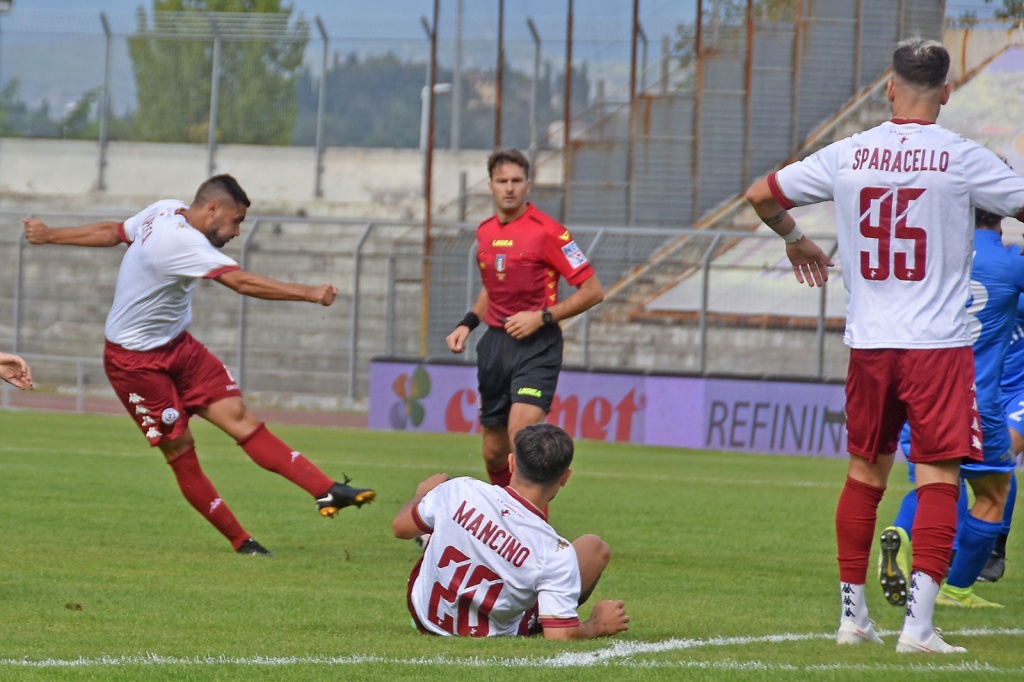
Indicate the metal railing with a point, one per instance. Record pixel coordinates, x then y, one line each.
715 284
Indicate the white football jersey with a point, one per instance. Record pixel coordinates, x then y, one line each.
165 259
904 195
492 557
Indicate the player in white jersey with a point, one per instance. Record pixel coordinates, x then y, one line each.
493 566
15 371
162 374
904 192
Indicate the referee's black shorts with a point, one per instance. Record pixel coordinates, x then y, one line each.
517 371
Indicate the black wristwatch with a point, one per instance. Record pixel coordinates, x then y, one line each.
545 316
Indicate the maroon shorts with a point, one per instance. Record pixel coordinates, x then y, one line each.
162 387
933 389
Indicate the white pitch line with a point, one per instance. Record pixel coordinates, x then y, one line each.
622 654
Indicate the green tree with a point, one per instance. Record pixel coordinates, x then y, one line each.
76 123
1012 11
260 59
376 103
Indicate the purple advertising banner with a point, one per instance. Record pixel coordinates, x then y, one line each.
717 414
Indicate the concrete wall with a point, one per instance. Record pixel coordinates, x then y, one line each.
63 175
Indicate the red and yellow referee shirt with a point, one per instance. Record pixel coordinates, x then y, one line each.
520 263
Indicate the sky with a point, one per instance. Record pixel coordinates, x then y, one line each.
393 18
49 35
401 18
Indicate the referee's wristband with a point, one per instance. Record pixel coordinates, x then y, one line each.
470 320
793 235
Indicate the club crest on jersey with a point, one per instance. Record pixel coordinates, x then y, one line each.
169 416
574 255
499 262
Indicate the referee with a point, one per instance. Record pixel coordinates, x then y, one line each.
521 253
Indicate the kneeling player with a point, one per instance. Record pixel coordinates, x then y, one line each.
493 565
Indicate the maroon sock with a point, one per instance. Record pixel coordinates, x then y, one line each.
934 528
856 514
203 497
271 453
500 477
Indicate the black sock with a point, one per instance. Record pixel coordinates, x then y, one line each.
1000 549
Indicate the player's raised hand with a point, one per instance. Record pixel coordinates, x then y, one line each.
610 615
810 263
325 294
36 231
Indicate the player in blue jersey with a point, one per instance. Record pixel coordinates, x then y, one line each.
997 281
1012 385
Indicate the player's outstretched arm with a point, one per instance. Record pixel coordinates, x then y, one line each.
105 233
810 263
15 371
404 524
258 286
608 618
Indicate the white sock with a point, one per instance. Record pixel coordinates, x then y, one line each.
853 605
920 606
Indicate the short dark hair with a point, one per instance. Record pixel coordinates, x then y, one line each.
924 63
543 453
222 185
983 218
507 155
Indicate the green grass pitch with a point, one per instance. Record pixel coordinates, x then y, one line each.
726 563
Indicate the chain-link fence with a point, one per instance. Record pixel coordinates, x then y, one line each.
220 78
299 355
754 82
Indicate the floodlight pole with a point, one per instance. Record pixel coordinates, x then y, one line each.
320 106
455 143
567 113
101 181
631 117
428 188
499 76
5 7
533 98
211 137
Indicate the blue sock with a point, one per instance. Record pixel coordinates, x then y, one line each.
977 538
1008 511
905 517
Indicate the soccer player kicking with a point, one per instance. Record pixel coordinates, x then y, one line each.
162 374
493 566
904 195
